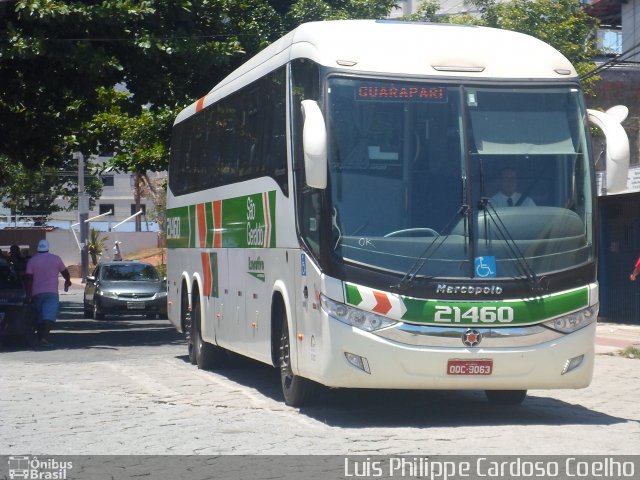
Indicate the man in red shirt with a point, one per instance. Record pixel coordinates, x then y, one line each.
41 281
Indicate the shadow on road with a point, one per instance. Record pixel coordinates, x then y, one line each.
73 331
354 408
365 408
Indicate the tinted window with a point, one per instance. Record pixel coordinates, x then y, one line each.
241 137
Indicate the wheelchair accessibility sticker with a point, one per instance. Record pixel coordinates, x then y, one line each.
485 267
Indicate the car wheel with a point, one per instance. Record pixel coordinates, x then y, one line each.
88 311
97 313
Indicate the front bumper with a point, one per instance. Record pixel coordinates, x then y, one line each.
132 306
401 366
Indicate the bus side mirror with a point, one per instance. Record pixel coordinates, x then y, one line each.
314 144
617 154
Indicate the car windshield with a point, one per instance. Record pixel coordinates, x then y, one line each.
130 273
421 175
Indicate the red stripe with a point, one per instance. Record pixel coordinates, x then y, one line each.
200 104
383 305
267 219
206 272
202 225
217 224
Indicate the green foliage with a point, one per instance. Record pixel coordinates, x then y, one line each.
57 57
315 10
34 191
96 245
563 24
630 352
60 63
426 12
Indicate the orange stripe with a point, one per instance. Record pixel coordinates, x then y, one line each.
200 104
267 219
202 225
206 272
217 224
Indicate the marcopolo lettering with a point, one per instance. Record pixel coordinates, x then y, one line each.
469 289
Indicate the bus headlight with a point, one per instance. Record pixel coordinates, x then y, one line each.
574 321
354 316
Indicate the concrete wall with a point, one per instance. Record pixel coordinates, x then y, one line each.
63 243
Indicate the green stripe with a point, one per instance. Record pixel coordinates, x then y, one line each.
353 295
468 313
525 312
243 223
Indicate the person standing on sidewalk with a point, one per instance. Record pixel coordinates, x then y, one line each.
41 282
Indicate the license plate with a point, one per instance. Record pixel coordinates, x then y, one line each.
469 367
135 305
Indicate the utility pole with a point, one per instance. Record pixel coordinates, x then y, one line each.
83 214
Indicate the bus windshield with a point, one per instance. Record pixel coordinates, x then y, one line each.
464 181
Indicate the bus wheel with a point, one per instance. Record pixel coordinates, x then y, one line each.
506 397
206 356
296 390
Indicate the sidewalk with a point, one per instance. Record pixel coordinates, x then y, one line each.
612 337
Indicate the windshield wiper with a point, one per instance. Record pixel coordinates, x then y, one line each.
422 259
486 205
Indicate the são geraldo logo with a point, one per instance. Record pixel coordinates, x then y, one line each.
38 468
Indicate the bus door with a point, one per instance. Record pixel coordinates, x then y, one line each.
307 324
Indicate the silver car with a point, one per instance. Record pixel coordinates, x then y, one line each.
125 288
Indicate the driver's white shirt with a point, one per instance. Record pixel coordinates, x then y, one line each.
500 200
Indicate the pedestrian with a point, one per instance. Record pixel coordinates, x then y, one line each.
117 254
41 282
636 271
17 261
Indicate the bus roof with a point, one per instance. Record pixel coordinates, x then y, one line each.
428 50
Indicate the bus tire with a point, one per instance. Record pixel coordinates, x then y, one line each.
506 397
206 355
296 390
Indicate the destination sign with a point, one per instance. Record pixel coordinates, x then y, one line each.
404 93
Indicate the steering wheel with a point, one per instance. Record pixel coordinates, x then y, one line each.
407 232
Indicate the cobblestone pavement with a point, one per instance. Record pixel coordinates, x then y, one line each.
125 386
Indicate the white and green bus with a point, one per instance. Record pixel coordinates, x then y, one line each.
331 211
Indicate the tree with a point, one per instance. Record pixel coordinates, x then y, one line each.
96 245
33 192
563 24
314 10
167 53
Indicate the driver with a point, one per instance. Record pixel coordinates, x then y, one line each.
508 196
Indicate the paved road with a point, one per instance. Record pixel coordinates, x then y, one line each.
125 386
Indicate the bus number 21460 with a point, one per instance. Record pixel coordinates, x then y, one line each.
446 314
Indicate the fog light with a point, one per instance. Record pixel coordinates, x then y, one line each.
358 362
572 363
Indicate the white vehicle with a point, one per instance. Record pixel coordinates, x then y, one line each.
330 213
